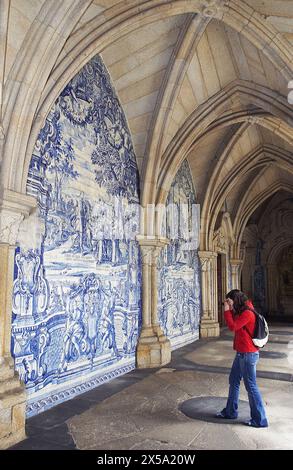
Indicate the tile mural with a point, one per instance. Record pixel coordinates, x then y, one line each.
77 293
179 265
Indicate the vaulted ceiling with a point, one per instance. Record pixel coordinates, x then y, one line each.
205 80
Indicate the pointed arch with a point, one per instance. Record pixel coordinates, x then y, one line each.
246 209
30 103
273 109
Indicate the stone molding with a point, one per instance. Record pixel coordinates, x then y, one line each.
2 134
14 207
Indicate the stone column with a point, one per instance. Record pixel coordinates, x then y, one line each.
13 208
236 270
209 325
248 271
272 287
153 349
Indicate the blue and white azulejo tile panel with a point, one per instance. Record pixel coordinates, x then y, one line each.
77 291
179 266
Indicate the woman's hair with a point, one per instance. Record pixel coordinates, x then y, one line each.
239 300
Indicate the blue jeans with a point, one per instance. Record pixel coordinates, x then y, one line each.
244 365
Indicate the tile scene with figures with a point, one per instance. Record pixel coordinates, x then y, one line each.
179 265
77 290
77 295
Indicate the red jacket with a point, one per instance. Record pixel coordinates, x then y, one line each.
242 339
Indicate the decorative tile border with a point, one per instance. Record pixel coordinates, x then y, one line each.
42 404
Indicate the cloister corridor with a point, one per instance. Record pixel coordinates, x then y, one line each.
146 170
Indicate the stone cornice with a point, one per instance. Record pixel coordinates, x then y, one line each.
17 202
152 241
14 208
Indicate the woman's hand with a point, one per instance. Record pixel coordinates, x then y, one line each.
228 304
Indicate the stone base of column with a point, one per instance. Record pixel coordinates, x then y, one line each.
12 406
153 349
209 329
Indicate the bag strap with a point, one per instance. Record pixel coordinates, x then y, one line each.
252 310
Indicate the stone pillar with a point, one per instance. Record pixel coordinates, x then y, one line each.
153 349
209 325
272 288
248 271
13 208
236 270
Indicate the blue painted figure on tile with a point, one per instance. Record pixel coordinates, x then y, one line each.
179 267
77 294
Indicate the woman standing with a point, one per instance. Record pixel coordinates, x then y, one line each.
241 320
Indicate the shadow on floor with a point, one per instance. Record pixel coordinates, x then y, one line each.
49 430
205 409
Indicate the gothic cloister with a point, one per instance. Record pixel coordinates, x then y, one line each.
145 170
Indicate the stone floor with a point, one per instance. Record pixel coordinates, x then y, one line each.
173 407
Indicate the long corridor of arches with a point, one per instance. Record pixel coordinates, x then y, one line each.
146 170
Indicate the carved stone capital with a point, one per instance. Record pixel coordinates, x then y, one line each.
14 207
206 257
235 264
151 247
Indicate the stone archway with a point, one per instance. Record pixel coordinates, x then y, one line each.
77 287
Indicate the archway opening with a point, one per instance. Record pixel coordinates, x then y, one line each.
284 280
267 273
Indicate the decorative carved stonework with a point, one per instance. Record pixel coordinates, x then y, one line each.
150 248
9 226
205 258
253 120
213 8
14 207
220 241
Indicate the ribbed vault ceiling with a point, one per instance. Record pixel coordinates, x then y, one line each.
208 87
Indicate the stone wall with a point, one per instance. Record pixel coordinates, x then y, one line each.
76 294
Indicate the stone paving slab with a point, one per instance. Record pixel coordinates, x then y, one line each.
205 408
274 357
143 411
152 407
159 418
